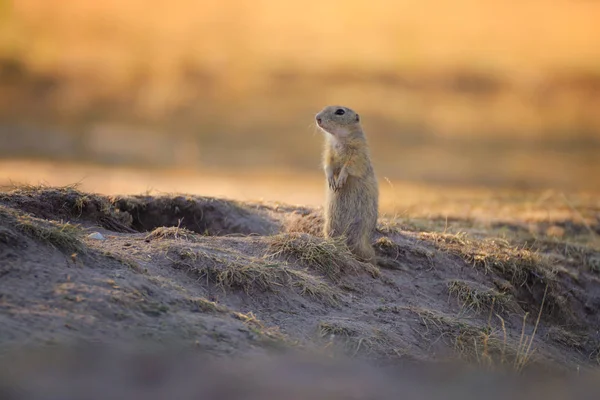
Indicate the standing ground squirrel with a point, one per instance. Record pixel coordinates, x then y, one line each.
352 198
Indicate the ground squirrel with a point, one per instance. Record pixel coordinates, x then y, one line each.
352 198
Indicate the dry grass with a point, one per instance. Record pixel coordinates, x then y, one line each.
32 189
232 269
492 349
354 338
329 256
378 19
64 236
208 306
394 253
584 255
337 328
520 266
172 232
403 56
496 255
66 202
269 336
394 224
488 345
302 222
476 297
569 339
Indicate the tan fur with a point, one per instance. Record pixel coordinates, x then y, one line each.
352 194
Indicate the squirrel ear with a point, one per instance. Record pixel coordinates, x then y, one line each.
357 118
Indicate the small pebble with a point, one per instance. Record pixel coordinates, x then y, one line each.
97 236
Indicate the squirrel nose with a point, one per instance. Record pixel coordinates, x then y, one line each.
319 120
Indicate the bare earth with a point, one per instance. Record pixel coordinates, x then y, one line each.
249 279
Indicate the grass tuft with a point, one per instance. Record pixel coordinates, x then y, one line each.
329 256
302 222
232 269
522 267
172 232
336 329
352 339
63 236
475 297
208 306
269 336
516 264
490 345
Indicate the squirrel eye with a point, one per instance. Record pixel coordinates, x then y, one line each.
339 111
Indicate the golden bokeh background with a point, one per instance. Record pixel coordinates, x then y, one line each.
219 96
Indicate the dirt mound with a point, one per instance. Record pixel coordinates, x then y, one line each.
66 203
204 215
233 278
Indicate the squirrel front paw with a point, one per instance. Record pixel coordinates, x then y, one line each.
341 180
331 183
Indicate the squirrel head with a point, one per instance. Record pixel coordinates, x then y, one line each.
340 122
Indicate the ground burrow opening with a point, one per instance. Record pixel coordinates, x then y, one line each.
204 215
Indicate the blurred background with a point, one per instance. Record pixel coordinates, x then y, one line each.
218 97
